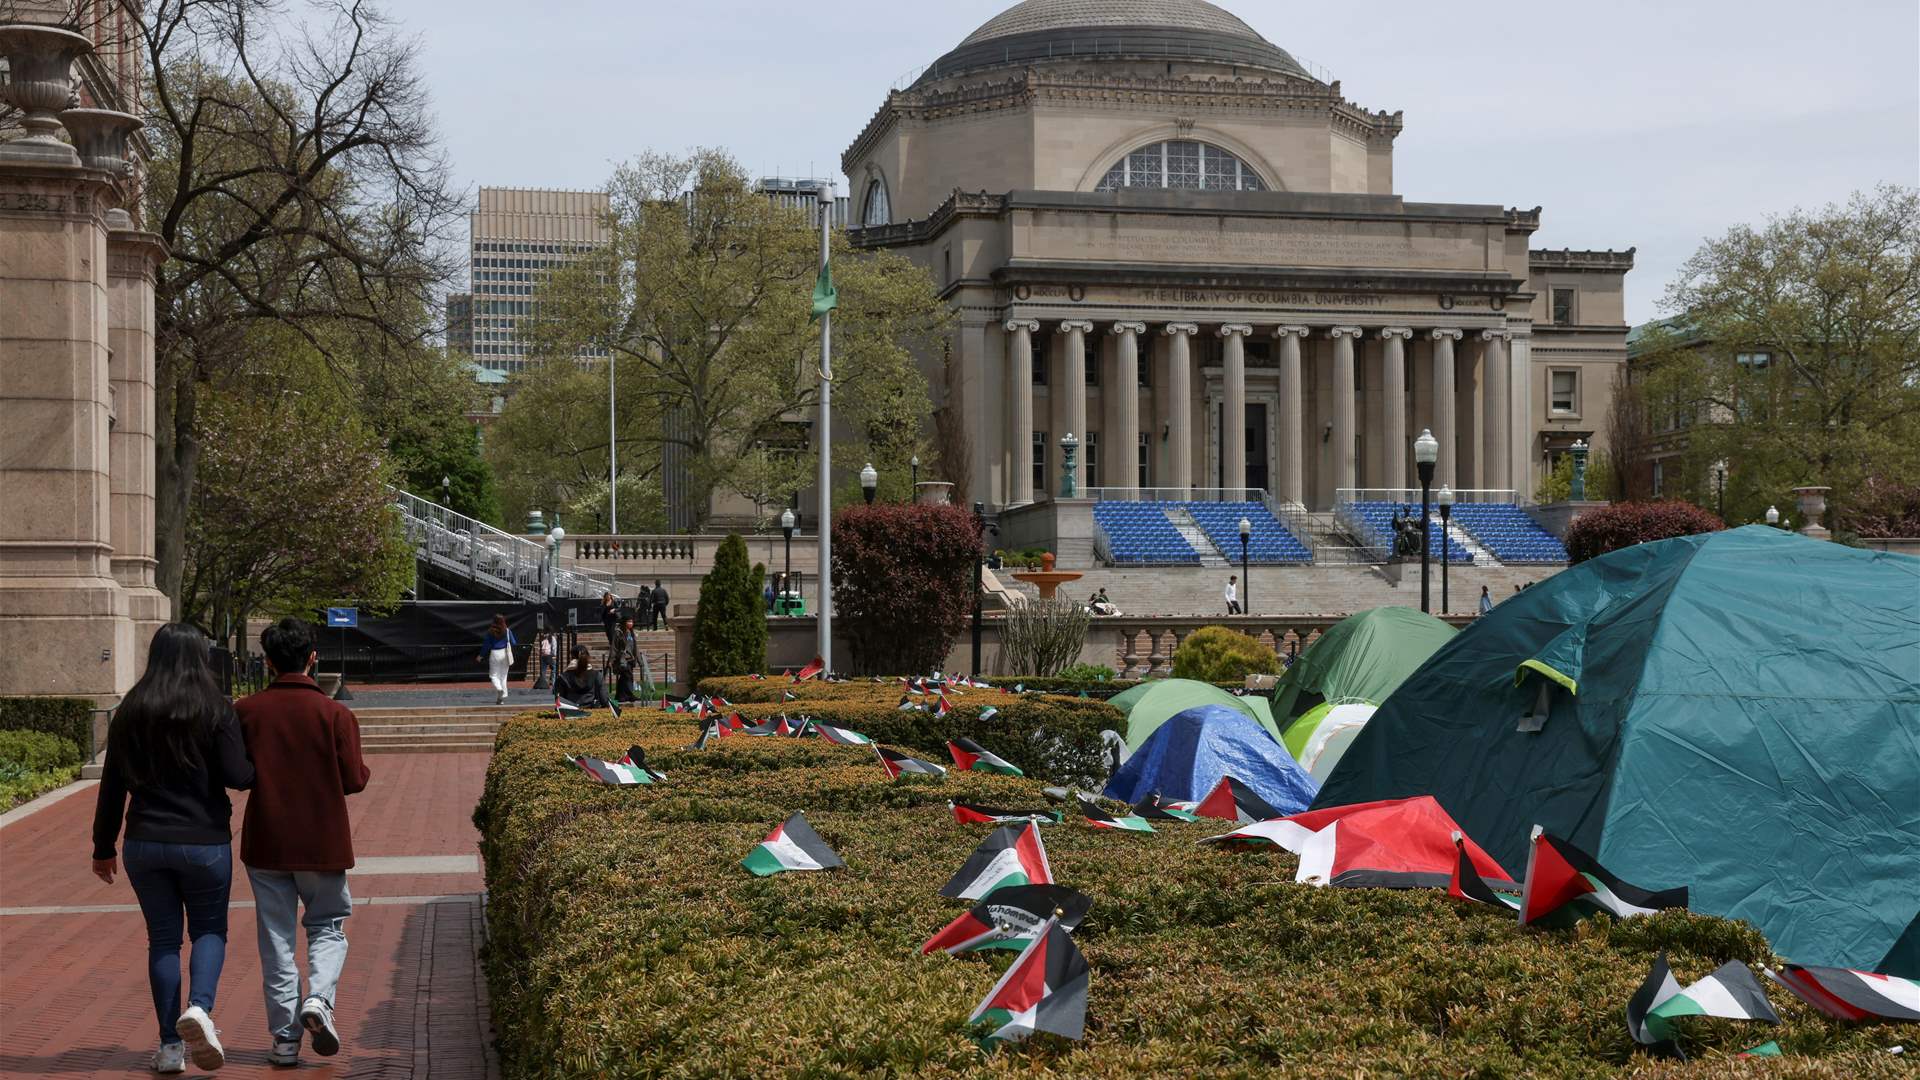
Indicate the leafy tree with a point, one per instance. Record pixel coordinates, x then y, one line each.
903 584
1610 528
1222 654
730 627
1557 486
1831 301
548 448
1887 508
702 296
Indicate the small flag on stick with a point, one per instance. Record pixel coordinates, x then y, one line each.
1008 919
1044 990
791 846
1010 855
1100 819
1730 992
840 736
897 763
1561 876
970 756
1846 994
975 814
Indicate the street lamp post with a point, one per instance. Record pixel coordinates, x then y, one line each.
914 464
446 501
1445 499
787 522
1426 451
1773 515
869 482
1246 569
983 525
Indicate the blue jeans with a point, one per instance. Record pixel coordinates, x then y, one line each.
170 879
279 897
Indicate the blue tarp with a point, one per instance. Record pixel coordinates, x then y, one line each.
1189 754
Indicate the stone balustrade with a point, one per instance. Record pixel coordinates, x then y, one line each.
1143 647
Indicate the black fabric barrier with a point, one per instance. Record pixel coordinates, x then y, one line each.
439 640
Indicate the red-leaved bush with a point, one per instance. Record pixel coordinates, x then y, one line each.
903 584
1886 508
1611 528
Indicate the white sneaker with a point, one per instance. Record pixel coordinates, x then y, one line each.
317 1017
285 1053
203 1042
170 1058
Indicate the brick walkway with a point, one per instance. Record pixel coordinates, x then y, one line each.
412 1003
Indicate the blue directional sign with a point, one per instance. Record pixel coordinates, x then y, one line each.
343 616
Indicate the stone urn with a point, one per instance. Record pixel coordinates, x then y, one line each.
933 493
40 84
101 138
1813 505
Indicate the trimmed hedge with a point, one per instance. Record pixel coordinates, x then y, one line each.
625 940
36 750
69 718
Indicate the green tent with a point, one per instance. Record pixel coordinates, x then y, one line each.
1149 705
1360 658
1736 712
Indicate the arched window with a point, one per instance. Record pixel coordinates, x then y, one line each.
1181 164
877 211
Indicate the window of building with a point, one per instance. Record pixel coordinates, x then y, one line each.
1040 358
1146 448
1563 307
1039 461
877 211
1093 363
1564 387
1145 363
1181 164
1659 478
1090 460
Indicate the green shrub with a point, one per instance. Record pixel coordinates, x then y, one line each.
1610 528
34 751
624 939
730 626
1077 673
1041 637
1223 655
69 718
19 785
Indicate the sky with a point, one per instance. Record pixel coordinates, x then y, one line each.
1650 125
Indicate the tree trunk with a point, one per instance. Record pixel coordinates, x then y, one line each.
176 460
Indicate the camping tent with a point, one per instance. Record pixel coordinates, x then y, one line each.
1360 658
1318 739
1186 757
1736 712
1149 705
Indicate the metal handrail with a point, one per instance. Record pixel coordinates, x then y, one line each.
490 556
1168 494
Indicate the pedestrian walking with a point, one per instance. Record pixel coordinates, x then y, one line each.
1486 600
496 651
1233 594
173 749
659 620
610 616
626 658
298 843
549 658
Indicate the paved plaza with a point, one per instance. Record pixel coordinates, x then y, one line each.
412 1002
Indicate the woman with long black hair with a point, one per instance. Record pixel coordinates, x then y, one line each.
175 747
581 685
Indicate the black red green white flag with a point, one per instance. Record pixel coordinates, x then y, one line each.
1044 990
1467 884
1231 800
1846 994
1731 992
1100 819
567 709
970 756
975 814
792 846
1154 810
637 758
613 773
813 668
987 713
907 704
1561 879
1009 918
1010 855
840 736
897 763
940 707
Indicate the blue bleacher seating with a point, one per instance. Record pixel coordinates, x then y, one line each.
1509 533
1141 533
1375 519
1268 543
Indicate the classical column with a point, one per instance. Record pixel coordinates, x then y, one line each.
1124 447
1497 411
1020 422
1393 410
1520 389
1444 472
1292 485
1233 427
1179 408
132 256
1343 426
1075 382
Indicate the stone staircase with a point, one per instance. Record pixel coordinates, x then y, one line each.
1481 556
432 729
1195 536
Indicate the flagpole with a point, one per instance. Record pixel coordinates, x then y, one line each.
824 572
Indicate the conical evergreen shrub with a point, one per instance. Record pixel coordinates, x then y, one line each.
730 627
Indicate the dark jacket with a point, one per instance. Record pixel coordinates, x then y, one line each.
306 758
183 806
587 689
660 597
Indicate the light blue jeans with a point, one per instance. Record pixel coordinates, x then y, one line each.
278 897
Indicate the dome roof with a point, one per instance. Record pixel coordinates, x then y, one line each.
1040 30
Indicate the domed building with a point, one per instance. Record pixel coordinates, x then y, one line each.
1166 235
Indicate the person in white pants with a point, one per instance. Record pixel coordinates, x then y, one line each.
1233 594
496 651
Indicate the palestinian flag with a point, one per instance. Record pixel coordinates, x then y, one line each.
840 736
896 763
802 729
1560 875
970 756
1100 819
1730 992
719 702
907 704
1845 994
567 709
813 668
788 695
725 729
1044 990
736 722
1769 1048
1467 884
1154 810
916 687
784 726
757 677
987 713
1234 801
613 773
764 727
637 757
1010 855
1008 919
941 707
706 732
792 846
975 814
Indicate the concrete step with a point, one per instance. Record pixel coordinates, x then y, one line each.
375 742
481 729
476 746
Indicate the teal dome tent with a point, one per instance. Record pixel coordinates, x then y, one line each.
1736 712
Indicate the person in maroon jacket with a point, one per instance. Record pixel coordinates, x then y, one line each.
297 843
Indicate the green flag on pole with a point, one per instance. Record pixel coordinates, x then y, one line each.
825 297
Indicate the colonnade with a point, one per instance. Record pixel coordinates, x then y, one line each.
1174 412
